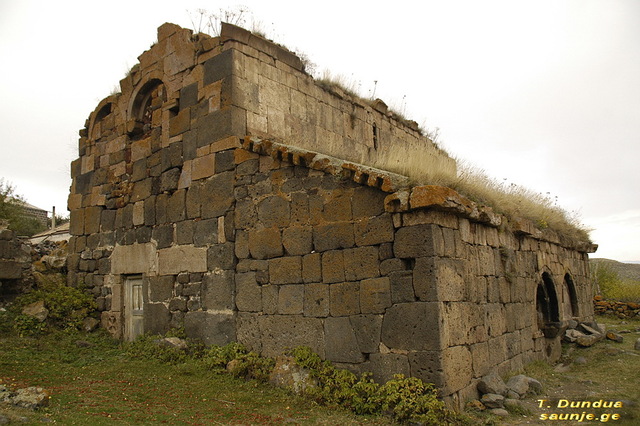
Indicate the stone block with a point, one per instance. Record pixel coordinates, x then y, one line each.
413 326
135 259
212 328
282 332
92 217
225 161
203 167
161 288
285 270
333 270
248 331
176 259
375 295
163 235
176 207
220 256
248 293
10 269
188 96
291 299
270 298
456 368
401 285
416 241
218 290
218 67
337 235
180 123
216 195
316 300
361 263
265 243
311 268
384 366
344 299
184 232
367 202
156 318
441 279
274 211
205 232
374 230
427 366
341 344
368 330
246 216
338 208
220 125
297 240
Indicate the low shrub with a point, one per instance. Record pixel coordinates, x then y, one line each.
404 398
67 306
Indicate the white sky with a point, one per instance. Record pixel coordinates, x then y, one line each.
545 94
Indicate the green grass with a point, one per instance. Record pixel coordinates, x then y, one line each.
614 287
102 384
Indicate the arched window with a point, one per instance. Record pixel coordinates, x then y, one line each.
547 307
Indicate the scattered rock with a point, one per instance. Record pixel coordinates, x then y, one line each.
519 384
89 324
172 342
590 329
637 345
475 405
570 335
580 360
492 400
535 387
562 368
287 373
615 337
499 412
589 340
36 310
4 393
30 398
492 384
512 402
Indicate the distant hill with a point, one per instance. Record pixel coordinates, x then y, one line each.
626 271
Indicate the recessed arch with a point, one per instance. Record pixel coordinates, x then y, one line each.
572 296
547 306
148 98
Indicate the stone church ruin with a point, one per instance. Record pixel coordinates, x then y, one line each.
226 192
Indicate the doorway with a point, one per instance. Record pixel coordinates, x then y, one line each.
133 307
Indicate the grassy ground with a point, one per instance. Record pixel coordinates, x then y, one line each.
101 385
611 372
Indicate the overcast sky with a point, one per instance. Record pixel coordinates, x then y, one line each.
544 94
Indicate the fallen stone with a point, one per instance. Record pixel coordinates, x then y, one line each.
590 330
562 368
30 398
499 412
288 374
580 360
475 405
571 324
615 337
571 335
89 324
172 342
36 310
535 387
519 384
492 400
512 402
512 395
589 340
492 384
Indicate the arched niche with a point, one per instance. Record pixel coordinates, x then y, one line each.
105 108
148 98
547 307
570 297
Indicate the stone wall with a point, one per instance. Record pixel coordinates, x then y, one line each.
183 214
15 266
